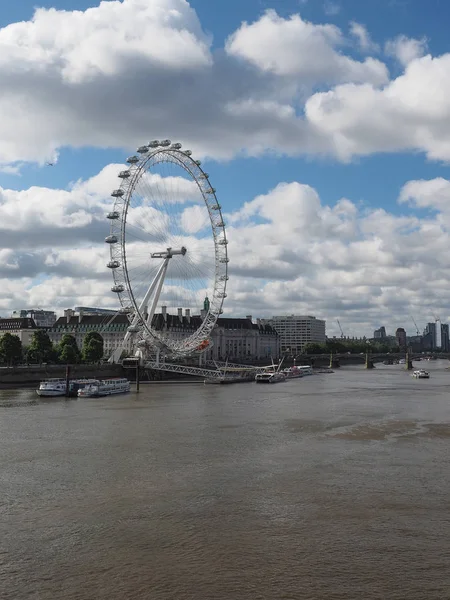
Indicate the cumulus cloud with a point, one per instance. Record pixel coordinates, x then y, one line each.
102 76
289 253
406 49
294 47
411 113
363 38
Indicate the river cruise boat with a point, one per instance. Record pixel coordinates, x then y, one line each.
49 388
270 377
57 387
305 370
105 387
293 372
421 374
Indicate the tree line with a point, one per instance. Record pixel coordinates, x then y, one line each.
351 346
42 350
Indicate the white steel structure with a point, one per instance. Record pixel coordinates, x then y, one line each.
168 246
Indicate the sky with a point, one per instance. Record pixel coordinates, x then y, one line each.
324 127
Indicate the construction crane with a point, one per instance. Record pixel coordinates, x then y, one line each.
417 329
342 333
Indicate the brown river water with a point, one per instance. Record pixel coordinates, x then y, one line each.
328 487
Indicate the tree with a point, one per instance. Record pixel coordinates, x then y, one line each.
10 349
314 348
68 349
92 350
40 348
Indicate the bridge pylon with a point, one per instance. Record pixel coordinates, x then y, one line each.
408 361
334 362
369 362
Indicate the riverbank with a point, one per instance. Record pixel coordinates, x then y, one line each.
28 376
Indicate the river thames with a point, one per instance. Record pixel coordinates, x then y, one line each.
330 487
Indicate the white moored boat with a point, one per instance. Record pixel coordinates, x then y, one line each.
305 370
105 387
52 387
293 372
421 374
270 377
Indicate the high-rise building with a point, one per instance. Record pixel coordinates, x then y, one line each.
435 337
297 331
380 333
400 335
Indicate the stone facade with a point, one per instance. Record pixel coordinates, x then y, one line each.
232 339
23 328
112 329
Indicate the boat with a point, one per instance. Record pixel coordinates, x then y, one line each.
223 379
421 374
105 387
305 370
293 372
57 387
270 377
49 388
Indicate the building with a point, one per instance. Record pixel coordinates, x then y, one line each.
436 338
400 336
22 327
297 331
92 310
379 333
42 318
112 328
231 339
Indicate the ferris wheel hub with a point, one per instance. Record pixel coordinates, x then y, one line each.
169 253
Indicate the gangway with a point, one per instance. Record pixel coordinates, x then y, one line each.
220 369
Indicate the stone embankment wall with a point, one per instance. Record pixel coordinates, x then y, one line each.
24 376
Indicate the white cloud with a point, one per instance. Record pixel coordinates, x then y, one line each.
102 76
331 9
363 37
433 193
411 113
294 47
406 49
74 78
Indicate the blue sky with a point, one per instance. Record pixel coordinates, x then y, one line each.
370 166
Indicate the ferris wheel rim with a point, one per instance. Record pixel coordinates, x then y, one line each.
138 167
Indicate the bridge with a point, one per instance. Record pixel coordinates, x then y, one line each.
369 358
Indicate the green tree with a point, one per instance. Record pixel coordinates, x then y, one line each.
314 348
40 348
92 350
10 349
68 350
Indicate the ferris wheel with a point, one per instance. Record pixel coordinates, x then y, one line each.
168 250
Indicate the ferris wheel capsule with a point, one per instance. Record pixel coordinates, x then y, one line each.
165 143
132 160
154 144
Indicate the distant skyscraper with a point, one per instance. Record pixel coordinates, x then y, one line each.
400 335
380 333
445 341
